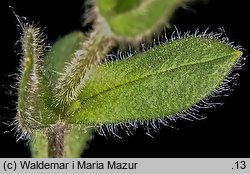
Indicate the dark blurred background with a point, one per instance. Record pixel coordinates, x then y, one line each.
225 131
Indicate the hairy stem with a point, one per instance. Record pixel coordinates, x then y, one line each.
91 53
56 140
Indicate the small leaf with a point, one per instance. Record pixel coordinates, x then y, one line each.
134 18
160 82
39 144
32 47
76 140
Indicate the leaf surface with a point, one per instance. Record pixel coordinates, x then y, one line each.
76 140
160 82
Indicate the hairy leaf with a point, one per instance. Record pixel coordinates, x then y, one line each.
159 82
76 140
134 18
39 144
28 103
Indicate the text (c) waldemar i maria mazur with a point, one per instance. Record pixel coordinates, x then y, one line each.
78 165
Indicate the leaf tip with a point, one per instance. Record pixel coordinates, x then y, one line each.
238 53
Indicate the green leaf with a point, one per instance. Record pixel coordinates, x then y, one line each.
39 144
29 105
134 18
76 140
159 82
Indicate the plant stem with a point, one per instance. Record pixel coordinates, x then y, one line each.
91 53
56 140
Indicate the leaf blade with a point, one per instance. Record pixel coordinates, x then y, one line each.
77 140
39 144
194 67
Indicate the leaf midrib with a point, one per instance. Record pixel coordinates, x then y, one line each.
156 73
